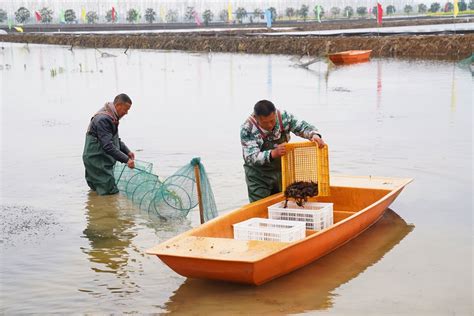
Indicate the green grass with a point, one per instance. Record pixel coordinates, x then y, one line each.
450 13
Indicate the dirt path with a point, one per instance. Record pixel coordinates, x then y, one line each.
447 47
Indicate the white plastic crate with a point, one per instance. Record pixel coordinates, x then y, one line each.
269 230
317 215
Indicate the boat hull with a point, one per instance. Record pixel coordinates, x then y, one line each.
246 262
350 57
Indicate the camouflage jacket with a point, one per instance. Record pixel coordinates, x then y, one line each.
252 140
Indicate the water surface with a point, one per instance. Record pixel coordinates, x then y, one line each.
65 250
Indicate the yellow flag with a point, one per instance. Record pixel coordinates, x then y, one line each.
83 15
229 12
19 29
456 8
162 14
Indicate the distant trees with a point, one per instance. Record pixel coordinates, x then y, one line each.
223 15
92 17
46 15
435 6
422 8
391 9
171 16
240 14
315 11
3 15
207 17
189 15
408 9
303 11
132 15
150 15
22 15
69 16
290 12
348 12
258 13
448 7
462 5
335 11
274 13
361 11
471 5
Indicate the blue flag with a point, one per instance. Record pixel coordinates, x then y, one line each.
268 17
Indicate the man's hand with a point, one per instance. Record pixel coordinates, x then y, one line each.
280 150
131 155
131 163
318 140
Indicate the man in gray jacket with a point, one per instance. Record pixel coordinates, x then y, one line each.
103 146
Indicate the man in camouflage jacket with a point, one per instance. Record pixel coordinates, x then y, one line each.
263 137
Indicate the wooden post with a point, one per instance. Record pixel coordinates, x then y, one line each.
198 185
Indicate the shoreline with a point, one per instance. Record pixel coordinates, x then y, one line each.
436 47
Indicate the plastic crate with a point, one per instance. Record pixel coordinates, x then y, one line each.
269 230
316 215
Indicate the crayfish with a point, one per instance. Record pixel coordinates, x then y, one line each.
300 191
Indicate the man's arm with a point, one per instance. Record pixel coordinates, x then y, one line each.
303 129
104 128
251 150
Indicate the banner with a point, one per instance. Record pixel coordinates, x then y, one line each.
37 16
379 13
456 8
268 18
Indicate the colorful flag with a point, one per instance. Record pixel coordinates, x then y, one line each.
19 29
379 13
38 16
196 18
83 15
10 24
62 18
162 14
229 12
456 8
113 14
268 18
318 13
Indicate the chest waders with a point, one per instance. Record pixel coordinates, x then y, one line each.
265 180
100 165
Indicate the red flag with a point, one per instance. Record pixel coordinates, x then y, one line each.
38 16
113 14
379 13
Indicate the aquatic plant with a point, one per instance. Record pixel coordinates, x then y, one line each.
46 15
150 15
69 16
3 15
92 17
207 17
22 15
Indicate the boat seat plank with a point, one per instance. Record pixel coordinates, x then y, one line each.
222 248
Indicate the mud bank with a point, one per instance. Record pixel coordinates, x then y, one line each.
441 47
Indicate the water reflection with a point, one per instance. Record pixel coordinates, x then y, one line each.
110 234
307 289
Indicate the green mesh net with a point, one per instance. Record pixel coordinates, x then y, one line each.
171 198
467 61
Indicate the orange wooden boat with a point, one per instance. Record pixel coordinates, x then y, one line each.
350 57
210 252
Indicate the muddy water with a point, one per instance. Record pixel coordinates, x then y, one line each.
64 250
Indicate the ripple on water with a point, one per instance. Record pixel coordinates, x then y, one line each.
20 224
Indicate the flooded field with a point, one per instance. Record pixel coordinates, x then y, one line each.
64 250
